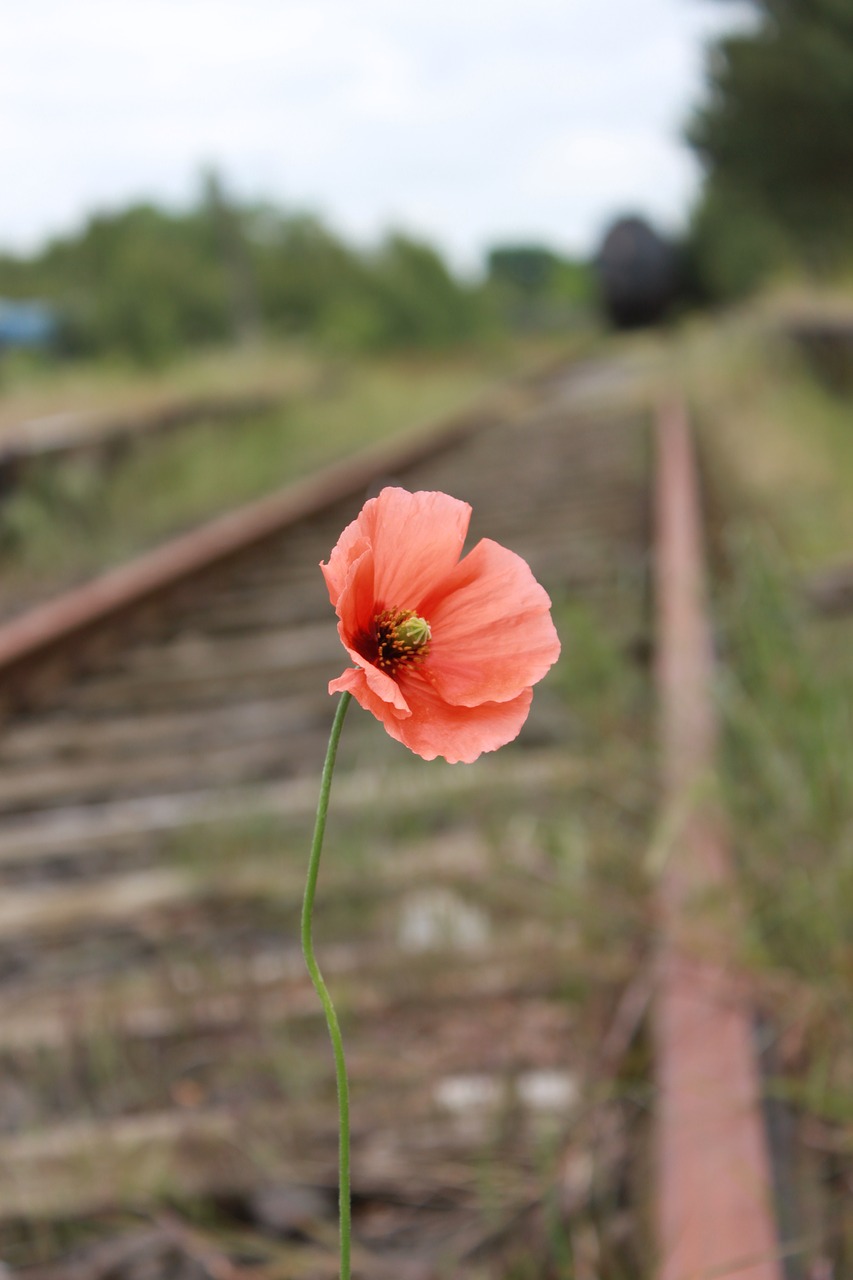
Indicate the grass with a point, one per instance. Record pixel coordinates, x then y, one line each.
782 447
788 699
772 431
71 520
32 388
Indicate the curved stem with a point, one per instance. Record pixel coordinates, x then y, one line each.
322 990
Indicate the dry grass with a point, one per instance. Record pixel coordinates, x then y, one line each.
69 520
776 435
781 446
91 389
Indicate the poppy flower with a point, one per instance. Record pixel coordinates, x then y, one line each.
446 650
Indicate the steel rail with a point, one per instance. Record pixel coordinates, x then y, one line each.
59 629
714 1197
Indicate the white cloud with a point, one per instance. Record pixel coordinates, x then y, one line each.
626 168
465 120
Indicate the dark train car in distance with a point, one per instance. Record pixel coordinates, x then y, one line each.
637 272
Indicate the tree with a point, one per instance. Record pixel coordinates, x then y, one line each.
775 134
422 304
242 290
148 283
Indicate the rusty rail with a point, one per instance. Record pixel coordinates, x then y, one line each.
62 626
714 1202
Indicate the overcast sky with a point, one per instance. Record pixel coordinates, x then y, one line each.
462 121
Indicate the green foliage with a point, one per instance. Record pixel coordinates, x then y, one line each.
301 270
776 141
733 246
418 299
138 283
64 521
148 283
529 268
789 756
603 685
534 288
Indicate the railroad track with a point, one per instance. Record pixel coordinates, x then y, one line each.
485 928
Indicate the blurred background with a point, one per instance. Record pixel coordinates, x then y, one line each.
197 174
240 241
208 196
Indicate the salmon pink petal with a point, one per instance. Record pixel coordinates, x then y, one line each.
459 734
382 685
357 610
350 547
416 539
492 633
356 604
355 681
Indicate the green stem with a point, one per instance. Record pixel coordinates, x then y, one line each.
322 990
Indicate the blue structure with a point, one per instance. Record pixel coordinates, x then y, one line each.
32 325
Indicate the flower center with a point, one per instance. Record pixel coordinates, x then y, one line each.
400 637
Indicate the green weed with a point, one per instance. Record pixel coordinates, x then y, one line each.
788 762
73 518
